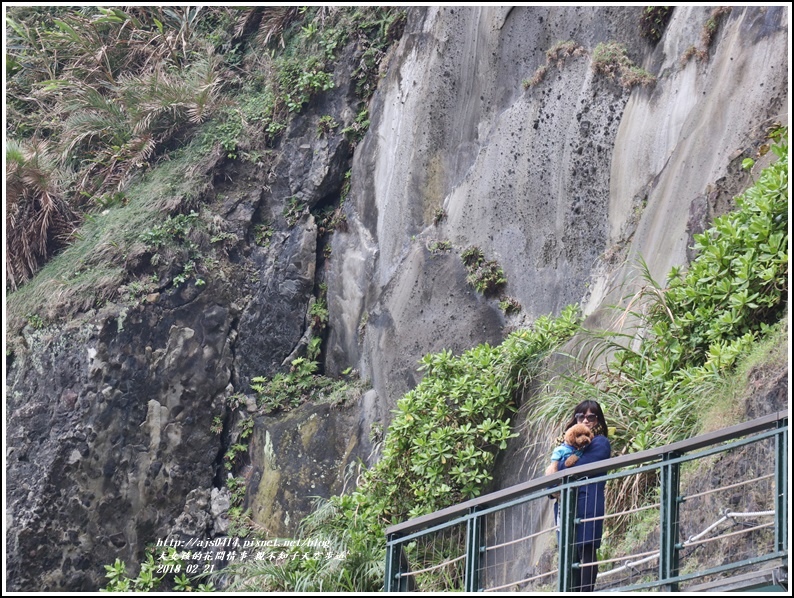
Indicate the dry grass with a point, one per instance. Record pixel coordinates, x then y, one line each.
39 222
555 56
611 59
707 34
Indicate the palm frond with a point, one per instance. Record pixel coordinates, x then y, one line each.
38 220
275 21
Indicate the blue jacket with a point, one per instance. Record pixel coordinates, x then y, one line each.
590 500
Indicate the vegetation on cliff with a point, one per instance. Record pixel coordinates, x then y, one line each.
112 111
691 335
683 336
103 101
439 450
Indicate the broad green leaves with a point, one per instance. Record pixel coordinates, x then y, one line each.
445 433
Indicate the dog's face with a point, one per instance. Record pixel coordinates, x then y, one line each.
578 436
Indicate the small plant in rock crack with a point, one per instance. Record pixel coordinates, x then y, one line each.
325 125
438 216
611 59
237 489
247 427
709 30
653 21
509 305
293 210
555 57
472 257
175 230
232 456
319 314
488 279
345 187
707 35
235 400
362 324
217 425
314 347
330 219
485 276
189 270
262 234
288 390
35 321
443 246
357 129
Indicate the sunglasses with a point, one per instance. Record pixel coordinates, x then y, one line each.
590 417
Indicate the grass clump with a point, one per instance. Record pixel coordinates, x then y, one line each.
486 276
709 30
96 264
555 57
611 59
98 96
509 305
707 34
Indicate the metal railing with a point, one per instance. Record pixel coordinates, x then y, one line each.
506 539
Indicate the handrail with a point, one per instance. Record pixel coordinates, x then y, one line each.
494 498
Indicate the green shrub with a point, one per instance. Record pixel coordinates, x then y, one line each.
169 568
439 450
657 378
287 390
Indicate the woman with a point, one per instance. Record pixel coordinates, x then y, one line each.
590 498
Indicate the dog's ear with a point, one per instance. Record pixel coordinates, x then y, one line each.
571 434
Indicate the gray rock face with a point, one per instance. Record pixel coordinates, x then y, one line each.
307 453
564 183
108 433
561 183
274 318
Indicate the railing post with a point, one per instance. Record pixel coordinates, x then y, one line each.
669 521
396 565
781 487
473 552
566 536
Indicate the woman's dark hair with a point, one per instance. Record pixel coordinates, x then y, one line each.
592 407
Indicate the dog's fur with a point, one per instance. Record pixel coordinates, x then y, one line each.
578 436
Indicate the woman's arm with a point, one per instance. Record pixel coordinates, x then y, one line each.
598 450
